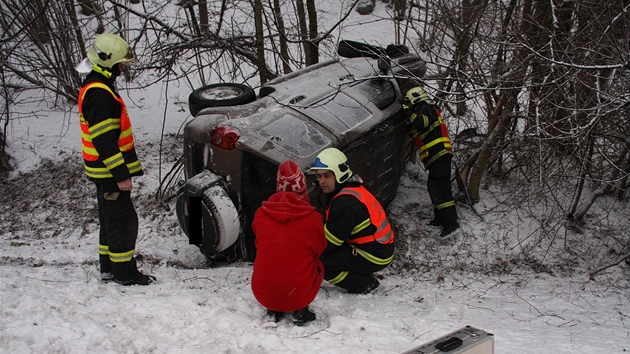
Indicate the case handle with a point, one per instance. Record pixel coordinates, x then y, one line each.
449 344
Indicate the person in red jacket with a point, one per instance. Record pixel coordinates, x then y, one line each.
289 240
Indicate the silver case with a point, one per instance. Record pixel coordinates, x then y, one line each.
466 340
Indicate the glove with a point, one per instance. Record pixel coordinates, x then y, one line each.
407 112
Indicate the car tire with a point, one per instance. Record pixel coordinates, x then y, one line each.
220 95
353 49
220 219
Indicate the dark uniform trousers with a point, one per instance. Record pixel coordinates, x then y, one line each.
439 188
118 229
343 258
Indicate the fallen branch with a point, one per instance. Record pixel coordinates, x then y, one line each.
591 276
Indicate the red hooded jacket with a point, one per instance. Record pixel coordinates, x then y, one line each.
289 240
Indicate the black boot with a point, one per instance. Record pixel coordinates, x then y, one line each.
434 222
107 274
371 287
303 316
448 229
106 277
137 279
127 273
359 283
274 316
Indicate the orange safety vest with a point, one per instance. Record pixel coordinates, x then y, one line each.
384 233
125 139
424 147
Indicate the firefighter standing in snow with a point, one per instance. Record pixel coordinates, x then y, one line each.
434 146
110 159
289 240
360 238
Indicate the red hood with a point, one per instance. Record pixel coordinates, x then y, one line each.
284 207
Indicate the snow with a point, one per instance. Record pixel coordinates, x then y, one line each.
63 308
53 300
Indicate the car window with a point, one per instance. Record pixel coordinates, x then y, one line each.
380 92
294 135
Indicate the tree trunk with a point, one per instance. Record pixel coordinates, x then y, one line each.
193 18
622 185
299 5
260 41
496 135
4 158
221 15
204 26
465 32
284 51
70 8
312 29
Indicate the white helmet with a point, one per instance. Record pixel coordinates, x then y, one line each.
333 160
109 49
416 94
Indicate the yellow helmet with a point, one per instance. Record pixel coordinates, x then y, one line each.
109 49
333 160
417 94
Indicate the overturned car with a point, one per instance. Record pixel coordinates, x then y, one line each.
237 139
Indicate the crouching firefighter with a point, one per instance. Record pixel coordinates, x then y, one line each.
436 153
110 158
360 238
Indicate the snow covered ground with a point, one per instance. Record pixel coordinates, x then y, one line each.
53 300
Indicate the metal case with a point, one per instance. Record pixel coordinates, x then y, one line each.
466 340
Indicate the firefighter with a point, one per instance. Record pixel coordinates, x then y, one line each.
110 159
360 238
434 147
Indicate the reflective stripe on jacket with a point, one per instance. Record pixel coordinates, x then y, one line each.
94 166
430 135
377 217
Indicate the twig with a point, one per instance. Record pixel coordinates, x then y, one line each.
395 287
199 278
591 276
528 303
481 308
315 332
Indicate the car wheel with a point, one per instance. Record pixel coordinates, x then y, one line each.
221 225
219 95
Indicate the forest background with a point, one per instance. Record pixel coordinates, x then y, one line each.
538 89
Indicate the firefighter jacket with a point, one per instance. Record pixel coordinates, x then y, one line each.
356 217
106 135
429 133
289 240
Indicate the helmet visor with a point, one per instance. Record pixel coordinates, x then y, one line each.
318 165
